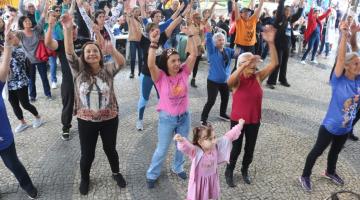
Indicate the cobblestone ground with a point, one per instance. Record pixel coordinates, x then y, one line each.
291 118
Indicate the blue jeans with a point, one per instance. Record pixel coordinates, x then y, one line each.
167 127
53 66
133 47
146 84
42 68
312 44
13 163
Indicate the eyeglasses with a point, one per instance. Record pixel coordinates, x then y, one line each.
170 51
57 10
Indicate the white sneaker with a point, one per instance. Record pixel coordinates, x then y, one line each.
140 125
38 122
314 61
303 62
21 128
53 85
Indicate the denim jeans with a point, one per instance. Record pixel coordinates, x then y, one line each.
146 84
133 47
42 68
312 44
167 127
13 163
53 66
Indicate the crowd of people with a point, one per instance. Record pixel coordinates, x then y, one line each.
167 43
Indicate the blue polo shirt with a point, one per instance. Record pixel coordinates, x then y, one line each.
343 106
6 135
219 69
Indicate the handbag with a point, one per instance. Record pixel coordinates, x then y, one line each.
43 53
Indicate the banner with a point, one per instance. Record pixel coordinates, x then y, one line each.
14 3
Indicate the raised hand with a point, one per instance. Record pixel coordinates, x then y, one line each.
178 138
109 48
181 7
155 35
9 39
344 28
269 34
354 28
52 19
241 121
66 20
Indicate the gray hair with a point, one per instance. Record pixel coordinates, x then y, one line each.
218 35
350 56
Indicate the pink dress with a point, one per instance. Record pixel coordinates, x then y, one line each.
204 181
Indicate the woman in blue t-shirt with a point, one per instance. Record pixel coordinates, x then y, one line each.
7 145
336 126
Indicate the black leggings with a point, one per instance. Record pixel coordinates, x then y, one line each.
20 96
323 141
196 65
251 132
212 90
88 134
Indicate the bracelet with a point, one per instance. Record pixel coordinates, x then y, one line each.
154 46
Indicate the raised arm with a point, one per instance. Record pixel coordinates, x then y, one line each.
6 57
258 10
49 41
325 15
116 55
279 12
177 12
235 132
177 21
340 62
236 10
269 37
143 9
72 7
190 61
89 23
355 28
295 17
210 47
66 21
153 68
185 146
22 7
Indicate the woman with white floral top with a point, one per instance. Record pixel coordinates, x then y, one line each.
95 102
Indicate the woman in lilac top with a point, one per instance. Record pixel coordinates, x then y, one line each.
171 81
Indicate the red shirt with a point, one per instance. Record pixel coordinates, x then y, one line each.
247 100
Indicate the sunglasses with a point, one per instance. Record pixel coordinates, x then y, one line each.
57 10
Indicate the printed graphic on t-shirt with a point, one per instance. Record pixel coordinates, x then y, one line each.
350 108
1 139
177 94
95 96
249 34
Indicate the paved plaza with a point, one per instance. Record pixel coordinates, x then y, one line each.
290 121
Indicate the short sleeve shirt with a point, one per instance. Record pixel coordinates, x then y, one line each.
173 92
246 31
343 106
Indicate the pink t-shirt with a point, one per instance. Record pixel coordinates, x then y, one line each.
173 91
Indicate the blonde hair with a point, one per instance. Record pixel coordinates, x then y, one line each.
243 58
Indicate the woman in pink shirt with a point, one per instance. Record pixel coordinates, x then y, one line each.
171 80
247 98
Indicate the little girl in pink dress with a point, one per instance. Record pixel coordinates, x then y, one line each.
206 153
